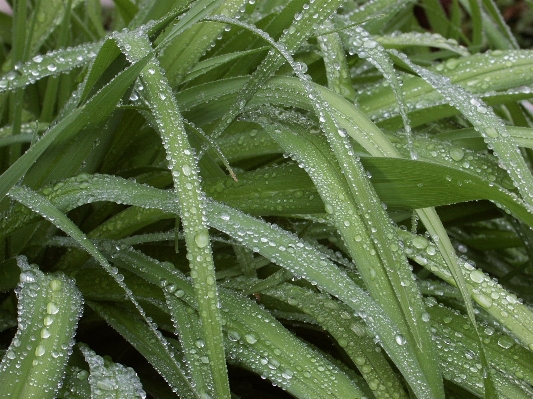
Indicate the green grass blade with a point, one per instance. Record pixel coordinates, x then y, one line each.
488 125
89 113
179 57
335 318
491 296
294 36
49 64
187 326
183 166
149 342
385 273
41 205
337 69
303 260
108 379
49 308
255 340
412 39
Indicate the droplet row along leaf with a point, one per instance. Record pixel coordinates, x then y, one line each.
49 308
254 338
190 199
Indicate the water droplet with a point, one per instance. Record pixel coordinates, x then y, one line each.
234 336
420 242
457 154
55 285
491 132
369 43
505 342
477 276
52 308
40 350
187 170
400 339
251 339
201 239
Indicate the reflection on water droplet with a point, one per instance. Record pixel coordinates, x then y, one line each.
400 339
187 170
477 276
491 132
251 339
505 342
52 308
457 154
201 239
40 350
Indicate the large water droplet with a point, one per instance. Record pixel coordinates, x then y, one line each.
201 239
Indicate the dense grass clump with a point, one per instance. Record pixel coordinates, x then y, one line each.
265 199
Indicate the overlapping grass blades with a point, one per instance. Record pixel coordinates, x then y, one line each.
235 185
48 312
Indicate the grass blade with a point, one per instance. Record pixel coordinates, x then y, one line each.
183 166
49 308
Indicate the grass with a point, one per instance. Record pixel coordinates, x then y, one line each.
231 199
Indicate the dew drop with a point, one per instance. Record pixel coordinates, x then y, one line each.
52 308
505 342
400 339
457 154
187 170
491 132
40 350
477 276
250 338
201 239
55 285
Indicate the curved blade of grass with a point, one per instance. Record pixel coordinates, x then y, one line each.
184 168
149 343
49 64
458 344
42 206
211 63
255 340
187 326
337 70
502 351
479 74
335 318
366 47
496 300
108 379
304 260
424 39
386 274
49 307
378 13
178 55
494 12
198 10
94 111
301 28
